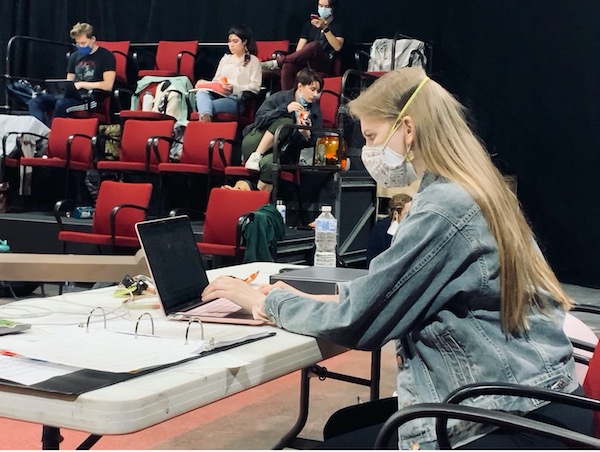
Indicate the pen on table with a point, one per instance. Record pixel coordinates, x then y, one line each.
252 277
249 279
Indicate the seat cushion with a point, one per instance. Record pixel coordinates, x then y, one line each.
172 167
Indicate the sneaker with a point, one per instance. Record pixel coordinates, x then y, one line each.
253 161
270 65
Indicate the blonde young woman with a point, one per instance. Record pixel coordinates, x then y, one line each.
463 288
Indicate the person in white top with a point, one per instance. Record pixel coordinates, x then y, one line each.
238 71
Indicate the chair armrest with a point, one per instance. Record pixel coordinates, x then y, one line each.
96 151
498 418
19 134
239 236
515 390
361 59
180 57
221 149
152 146
66 205
193 214
70 143
113 217
117 96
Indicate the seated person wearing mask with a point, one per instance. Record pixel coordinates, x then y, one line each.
320 38
91 68
464 290
381 235
294 106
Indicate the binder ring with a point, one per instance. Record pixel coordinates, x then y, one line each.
87 323
187 330
140 318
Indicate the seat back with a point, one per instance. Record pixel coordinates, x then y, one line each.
167 57
112 194
81 148
135 137
266 49
591 385
120 50
330 101
197 138
224 209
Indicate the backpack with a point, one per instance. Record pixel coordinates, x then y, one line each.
176 148
21 92
167 100
408 52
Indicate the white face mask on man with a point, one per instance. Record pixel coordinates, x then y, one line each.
386 166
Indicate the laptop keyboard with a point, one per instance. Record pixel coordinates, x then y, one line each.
221 307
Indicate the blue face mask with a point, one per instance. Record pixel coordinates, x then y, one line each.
302 101
324 11
84 51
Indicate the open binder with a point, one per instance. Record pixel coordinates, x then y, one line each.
82 378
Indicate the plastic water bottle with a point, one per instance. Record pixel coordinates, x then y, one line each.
325 238
281 209
68 286
147 101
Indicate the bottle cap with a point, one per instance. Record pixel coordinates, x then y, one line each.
325 208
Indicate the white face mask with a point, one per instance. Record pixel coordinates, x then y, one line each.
394 224
387 167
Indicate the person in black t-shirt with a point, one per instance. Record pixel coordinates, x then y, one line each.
91 68
320 37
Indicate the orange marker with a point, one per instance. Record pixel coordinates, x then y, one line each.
224 80
252 277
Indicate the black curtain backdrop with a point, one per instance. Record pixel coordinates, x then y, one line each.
527 69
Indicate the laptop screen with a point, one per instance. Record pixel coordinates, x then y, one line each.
174 261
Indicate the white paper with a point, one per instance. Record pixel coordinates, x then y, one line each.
108 351
30 372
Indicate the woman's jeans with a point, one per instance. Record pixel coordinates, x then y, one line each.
208 103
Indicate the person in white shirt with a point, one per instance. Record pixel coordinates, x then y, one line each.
238 71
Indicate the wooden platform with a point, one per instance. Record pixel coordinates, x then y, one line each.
37 232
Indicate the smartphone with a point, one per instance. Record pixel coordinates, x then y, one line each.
314 16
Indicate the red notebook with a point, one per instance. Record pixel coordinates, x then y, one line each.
213 87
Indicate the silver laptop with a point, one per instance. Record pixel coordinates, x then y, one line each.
62 88
179 275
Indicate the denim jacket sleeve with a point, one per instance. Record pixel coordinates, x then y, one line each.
442 249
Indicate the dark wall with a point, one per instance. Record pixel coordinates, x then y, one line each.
527 69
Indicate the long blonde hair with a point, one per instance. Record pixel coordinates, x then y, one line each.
449 148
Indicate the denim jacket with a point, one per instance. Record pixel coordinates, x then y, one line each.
436 292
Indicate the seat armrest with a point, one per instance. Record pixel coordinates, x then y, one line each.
113 217
220 144
180 57
152 147
447 411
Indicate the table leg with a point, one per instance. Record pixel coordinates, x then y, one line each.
51 438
